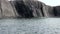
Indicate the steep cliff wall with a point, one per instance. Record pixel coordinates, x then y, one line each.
48 11
25 8
56 11
38 9
7 9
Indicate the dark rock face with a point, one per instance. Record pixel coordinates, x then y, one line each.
27 9
23 10
57 11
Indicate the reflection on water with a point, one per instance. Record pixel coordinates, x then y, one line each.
30 26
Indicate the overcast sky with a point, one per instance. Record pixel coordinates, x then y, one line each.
51 2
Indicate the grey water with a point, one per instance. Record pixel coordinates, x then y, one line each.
30 26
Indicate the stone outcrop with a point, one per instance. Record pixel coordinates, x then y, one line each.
27 9
22 9
48 11
35 7
38 9
7 9
57 11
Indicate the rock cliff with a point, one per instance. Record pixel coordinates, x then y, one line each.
26 9
6 9
56 11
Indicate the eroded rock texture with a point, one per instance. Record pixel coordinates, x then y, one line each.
27 9
31 8
7 10
23 10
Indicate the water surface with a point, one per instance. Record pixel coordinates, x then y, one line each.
30 26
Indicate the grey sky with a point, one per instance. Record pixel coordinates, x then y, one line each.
51 2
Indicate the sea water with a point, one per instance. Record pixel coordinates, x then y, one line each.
30 26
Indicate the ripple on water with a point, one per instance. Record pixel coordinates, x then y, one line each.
30 26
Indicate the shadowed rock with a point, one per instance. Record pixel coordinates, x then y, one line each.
23 10
31 8
27 9
57 11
